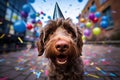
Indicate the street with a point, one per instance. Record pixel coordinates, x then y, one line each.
101 62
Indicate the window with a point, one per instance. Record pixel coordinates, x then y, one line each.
8 14
107 12
102 1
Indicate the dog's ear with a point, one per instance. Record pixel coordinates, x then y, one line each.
40 44
79 40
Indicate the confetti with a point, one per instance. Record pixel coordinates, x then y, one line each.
2 60
21 41
112 74
103 72
4 78
2 36
46 72
19 68
93 75
38 74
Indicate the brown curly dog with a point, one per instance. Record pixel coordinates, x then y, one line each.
61 42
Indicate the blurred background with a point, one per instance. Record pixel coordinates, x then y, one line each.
22 20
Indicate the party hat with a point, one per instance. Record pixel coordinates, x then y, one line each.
57 12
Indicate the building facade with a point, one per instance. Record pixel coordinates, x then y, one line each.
109 8
10 11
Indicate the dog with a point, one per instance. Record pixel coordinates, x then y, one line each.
61 42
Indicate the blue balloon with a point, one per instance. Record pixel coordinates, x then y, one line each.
104 24
19 26
80 0
98 14
31 1
37 34
92 9
26 8
104 18
33 16
49 17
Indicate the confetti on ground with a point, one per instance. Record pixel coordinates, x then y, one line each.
38 74
2 60
112 74
95 76
4 78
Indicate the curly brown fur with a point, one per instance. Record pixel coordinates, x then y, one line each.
66 63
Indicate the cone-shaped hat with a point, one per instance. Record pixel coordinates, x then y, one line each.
57 12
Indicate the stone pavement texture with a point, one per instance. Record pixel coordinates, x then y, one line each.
100 63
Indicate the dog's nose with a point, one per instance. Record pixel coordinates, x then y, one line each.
62 45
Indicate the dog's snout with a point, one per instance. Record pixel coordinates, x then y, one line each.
62 45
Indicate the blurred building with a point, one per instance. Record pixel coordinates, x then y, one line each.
109 8
10 12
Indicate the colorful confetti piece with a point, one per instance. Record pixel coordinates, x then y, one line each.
21 41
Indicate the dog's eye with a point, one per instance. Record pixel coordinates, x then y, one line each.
51 32
68 31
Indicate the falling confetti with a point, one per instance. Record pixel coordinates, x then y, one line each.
2 36
21 41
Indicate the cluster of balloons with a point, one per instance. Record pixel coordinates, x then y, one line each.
104 22
25 10
92 19
20 26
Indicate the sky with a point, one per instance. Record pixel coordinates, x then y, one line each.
69 8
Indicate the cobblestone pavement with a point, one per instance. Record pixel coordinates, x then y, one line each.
101 63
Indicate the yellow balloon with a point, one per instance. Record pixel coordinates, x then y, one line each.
96 31
83 37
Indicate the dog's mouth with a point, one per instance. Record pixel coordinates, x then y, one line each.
61 59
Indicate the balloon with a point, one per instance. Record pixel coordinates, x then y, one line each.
19 26
91 16
82 20
39 24
29 26
80 0
41 12
95 20
97 14
37 34
26 8
33 16
44 14
87 32
104 18
37 14
96 31
92 8
88 24
31 1
83 37
24 14
33 21
49 17
104 24
82 25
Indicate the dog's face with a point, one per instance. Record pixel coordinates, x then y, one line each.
61 41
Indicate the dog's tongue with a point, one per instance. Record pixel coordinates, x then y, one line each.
61 59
